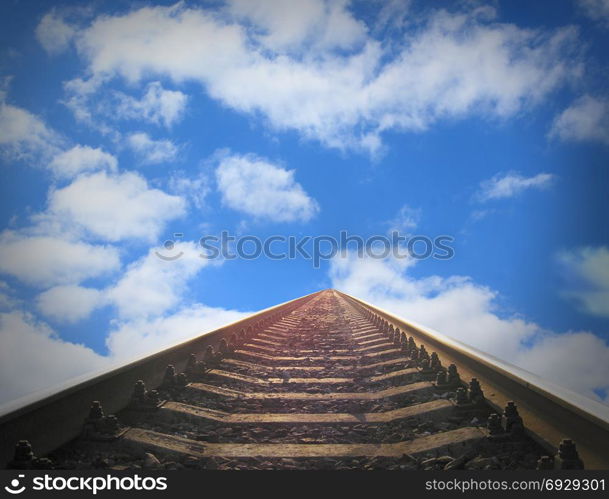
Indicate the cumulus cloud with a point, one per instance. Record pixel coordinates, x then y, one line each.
43 360
586 120
50 260
153 285
316 24
82 159
33 357
152 151
509 185
466 311
587 273
153 313
54 250
157 105
259 188
69 304
24 135
114 207
143 336
318 70
53 33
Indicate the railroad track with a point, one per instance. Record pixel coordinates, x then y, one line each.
323 382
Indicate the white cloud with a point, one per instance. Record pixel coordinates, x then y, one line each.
82 159
316 24
79 96
48 260
153 313
587 119
587 271
466 311
596 9
286 67
152 151
32 357
194 188
157 105
54 34
578 360
405 220
254 186
115 207
24 135
152 285
101 107
512 184
144 336
69 304
393 15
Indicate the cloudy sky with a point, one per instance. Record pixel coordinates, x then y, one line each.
127 124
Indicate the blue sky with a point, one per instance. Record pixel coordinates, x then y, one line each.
124 123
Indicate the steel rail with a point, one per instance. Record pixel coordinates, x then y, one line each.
51 418
550 412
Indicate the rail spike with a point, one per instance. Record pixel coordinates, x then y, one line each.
223 347
423 356
441 379
461 398
476 395
24 458
404 343
144 400
568 457
494 427
194 368
453 377
173 382
512 422
414 354
435 363
209 357
397 337
232 343
411 344
447 380
99 427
